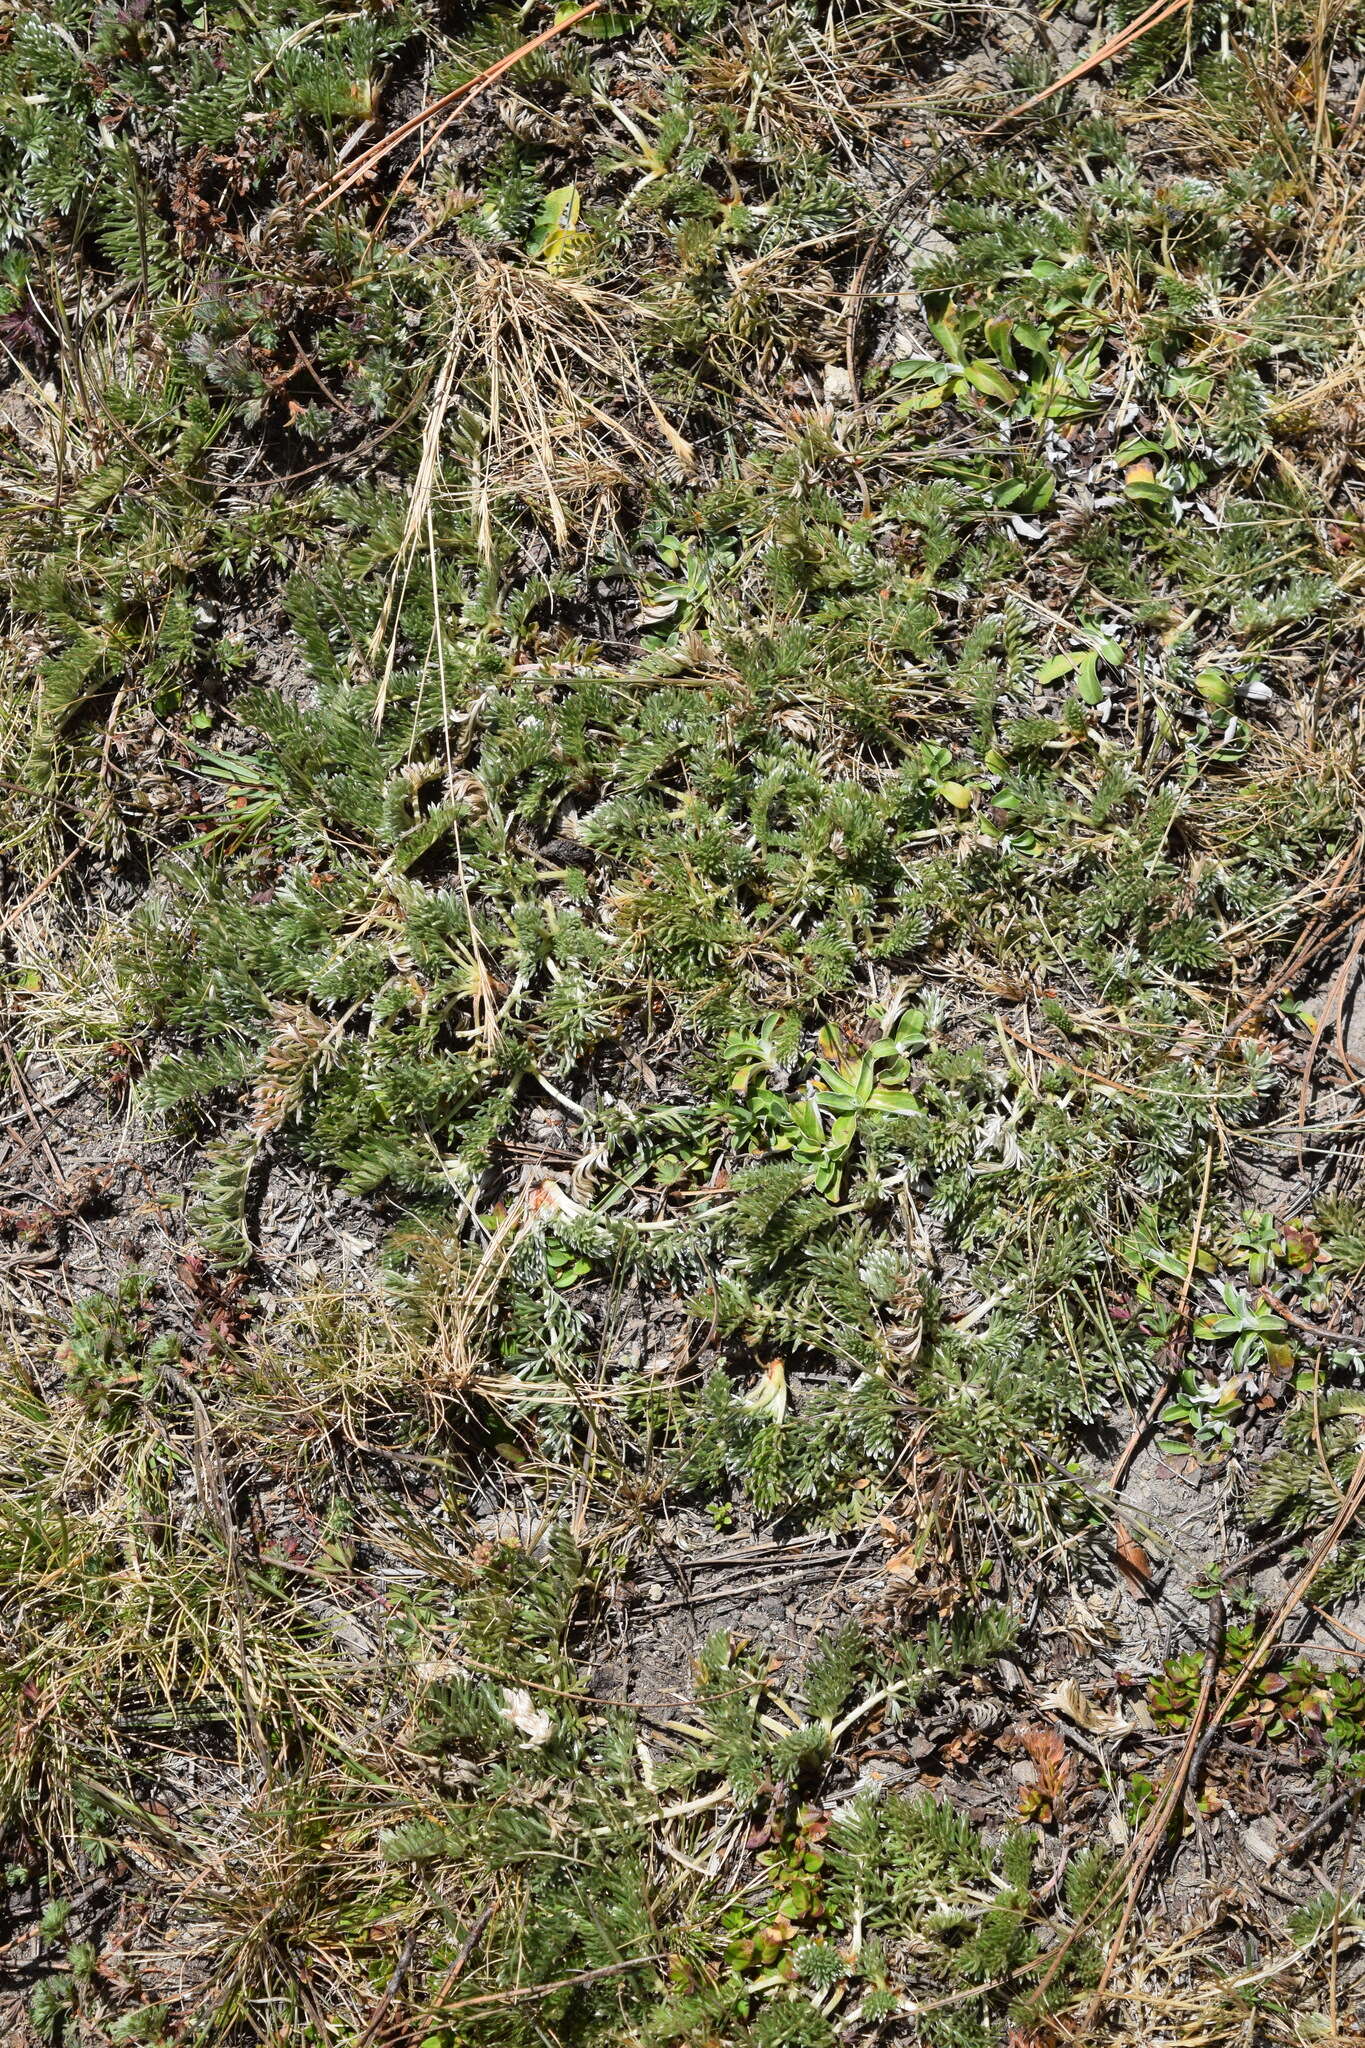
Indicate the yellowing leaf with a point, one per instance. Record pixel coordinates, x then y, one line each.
556 225
924 401
1053 1771
1132 1560
1214 687
685 452
987 378
998 334
946 335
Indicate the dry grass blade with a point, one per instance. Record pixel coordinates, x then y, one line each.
1330 1017
553 351
521 1992
548 355
417 525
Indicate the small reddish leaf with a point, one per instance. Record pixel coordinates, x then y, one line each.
1053 1771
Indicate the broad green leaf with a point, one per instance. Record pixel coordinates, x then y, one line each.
1214 687
945 333
1133 451
922 369
1148 491
1025 493
611 22
893 1102
998 334
986 378
806 1119
1089 688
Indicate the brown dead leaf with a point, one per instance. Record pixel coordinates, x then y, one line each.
1132 1562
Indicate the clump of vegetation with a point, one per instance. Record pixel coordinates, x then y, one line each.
1293 1696
751 757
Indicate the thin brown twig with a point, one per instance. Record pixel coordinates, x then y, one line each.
1316 1825
856 297
1172 1793
465 1951
1334 1970
1313 942
1083 1073
215 1495
518 1993
1345 1515
448 104
1314 1330
26 1103
1203 1724
392 1989
1151 17
40 889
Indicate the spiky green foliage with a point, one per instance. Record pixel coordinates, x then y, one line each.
734 773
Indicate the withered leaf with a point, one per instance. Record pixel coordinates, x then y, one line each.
1132 1562
1067 1698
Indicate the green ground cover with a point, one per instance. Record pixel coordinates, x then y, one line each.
727 714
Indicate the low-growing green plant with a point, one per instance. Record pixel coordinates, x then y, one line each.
743 773
1290 1697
